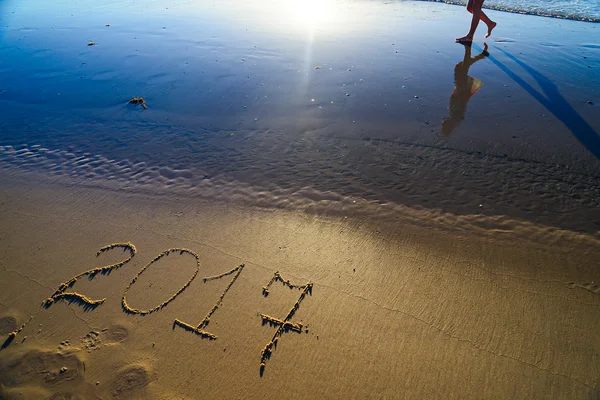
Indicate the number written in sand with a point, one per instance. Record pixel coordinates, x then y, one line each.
62 293
133 310
283 325
199 329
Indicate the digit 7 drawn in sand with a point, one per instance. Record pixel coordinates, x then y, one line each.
285 324
198 330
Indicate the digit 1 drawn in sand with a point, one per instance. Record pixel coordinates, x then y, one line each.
61 292
198 330
285 324
132 310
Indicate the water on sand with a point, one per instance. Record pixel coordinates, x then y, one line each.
291 104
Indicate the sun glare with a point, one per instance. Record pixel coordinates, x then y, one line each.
310 13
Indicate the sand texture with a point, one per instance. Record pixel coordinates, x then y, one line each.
321 308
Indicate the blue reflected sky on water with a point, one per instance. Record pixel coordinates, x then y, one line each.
317 82
242 65
248 60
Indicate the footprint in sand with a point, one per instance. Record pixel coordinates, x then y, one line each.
130 381
39 368
115 334
91 341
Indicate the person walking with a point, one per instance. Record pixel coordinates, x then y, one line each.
474 7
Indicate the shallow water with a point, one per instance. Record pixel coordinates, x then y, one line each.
293 104
585 10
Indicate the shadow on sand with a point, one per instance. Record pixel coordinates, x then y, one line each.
553 100
7 342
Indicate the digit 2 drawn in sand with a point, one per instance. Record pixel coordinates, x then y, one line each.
61 292
285 324
132 310
199 330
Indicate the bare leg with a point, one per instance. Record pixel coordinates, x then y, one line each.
490 24
476 10
474 7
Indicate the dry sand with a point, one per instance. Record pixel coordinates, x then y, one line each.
406 309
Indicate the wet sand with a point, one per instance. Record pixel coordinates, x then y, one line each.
400 310
312 205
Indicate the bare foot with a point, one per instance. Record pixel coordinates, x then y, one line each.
490 29
465 39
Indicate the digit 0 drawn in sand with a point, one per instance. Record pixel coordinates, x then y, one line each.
285 324
199 330
132 310
61 292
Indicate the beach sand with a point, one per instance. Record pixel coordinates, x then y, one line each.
316 236
406 310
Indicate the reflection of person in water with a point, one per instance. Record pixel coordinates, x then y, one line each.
464 88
